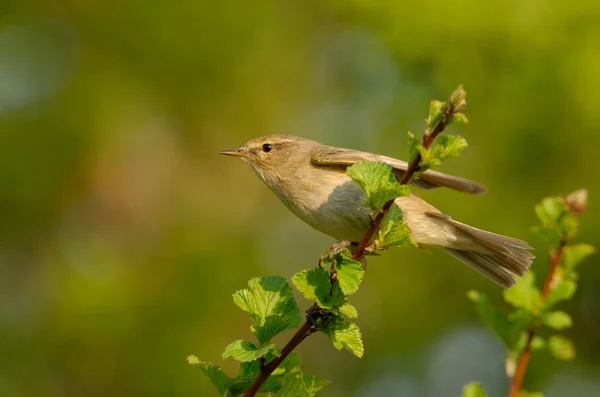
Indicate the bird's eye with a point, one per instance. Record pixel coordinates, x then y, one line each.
267 147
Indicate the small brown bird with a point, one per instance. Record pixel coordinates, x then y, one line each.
311 180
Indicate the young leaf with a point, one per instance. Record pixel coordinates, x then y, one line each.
273 325
296 384
315 285
561 348
557 320
473 389
348 310
574 254
491 317
445 146
314 383
245 351
267 297
524 294
393 232
247 374
537 343
561 292
520 321
436 112
549 211
293 385
349 274
215 374
378 182
346 335
459 119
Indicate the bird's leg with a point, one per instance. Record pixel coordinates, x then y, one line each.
335 249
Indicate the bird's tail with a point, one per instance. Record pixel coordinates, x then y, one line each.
499 258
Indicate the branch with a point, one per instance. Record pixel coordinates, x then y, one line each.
413 167
523 361
266 371
453 106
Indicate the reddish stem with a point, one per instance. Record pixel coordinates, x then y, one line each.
523 361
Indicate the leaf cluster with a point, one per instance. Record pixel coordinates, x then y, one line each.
270 304
534 308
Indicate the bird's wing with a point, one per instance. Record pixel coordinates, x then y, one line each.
428 180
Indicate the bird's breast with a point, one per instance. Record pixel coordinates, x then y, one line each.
328 200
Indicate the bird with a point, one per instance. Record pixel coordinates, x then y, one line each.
310 179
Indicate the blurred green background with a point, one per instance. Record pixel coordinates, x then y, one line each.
124 233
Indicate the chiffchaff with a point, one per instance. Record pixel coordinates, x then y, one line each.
310 179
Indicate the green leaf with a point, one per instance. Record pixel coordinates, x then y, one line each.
520 321
297 384
561 348
193 360
459 119
393 232
524 294
349 274
537 342
247 374
473 389
348 310
245 351
549 211
413 147
314 383
346 335
491 317
557 320
569 225
315 285
214 374
445 146
378 182
266 298
293 385
436 112
273 383
561 292
574 254
273 325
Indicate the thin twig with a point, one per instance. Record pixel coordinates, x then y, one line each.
307 328
359 252
523 361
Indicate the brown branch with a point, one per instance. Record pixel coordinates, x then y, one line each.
266 371
307 328
413 167
517 379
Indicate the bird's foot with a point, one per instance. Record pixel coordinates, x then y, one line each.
335 249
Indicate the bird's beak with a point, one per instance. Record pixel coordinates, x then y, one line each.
235 153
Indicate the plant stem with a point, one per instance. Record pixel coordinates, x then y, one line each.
523 360
410 171
307 328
